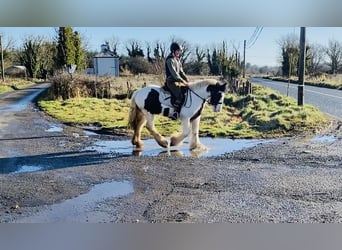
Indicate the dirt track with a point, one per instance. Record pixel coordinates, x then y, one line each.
290 180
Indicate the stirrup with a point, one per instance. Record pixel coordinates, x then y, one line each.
175 116
177 107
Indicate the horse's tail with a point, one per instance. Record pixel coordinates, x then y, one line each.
133 113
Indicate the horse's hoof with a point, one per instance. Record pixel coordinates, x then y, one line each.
137 152
175 142
139 145
198 147
163 144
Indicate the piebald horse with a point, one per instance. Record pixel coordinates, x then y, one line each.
154 100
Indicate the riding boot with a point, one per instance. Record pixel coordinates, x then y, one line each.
177 107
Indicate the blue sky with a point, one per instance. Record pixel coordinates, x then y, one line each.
265 50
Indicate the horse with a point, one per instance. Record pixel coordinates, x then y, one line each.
156 100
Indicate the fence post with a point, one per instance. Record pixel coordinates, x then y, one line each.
109 90
249 87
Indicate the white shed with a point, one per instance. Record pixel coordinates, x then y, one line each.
106 63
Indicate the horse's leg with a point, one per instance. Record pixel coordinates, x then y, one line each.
161 140
139 124
177 138
195 143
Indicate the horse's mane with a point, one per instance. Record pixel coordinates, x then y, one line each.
203 83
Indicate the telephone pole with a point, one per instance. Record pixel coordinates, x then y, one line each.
2 60
244 59
301 67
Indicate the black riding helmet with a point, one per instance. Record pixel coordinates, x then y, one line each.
175 46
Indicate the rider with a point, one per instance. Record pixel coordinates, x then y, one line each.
175 76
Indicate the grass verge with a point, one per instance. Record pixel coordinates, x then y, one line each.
263 114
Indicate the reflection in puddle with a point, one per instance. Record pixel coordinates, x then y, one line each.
325 138
83 207
27 169
216 147
89 133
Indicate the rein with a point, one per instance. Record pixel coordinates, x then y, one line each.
188 95
203 99
208 99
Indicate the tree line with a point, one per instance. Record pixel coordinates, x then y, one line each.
42 57
319 58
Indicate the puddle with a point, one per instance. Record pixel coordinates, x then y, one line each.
324 138
22 104
27 169
83 207
89 133
54 129
216 147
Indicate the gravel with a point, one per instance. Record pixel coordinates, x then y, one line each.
297 179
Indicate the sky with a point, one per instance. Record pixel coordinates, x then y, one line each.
265 51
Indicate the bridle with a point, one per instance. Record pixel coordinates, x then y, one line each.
208 100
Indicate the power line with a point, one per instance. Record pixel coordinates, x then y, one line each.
259 30
253 35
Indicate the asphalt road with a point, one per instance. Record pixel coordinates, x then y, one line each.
296 179
327 100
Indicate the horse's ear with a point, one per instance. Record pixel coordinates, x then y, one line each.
223 87
222 79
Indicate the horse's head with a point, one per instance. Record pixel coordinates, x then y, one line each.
217 95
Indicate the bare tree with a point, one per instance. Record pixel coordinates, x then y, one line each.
162 49
316 55
334 53
200 54
289 46
150 59
135 49
196 65
159 50
156 57
8 51
186 48
113 44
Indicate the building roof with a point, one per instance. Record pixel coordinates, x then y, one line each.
107 54
105 51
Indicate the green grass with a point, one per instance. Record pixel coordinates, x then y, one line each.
14 83
5 88
261 115
326 81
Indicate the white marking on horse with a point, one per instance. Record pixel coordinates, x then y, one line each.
153 100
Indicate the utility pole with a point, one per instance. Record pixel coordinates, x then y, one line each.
301 67
2 60
244 58
289 79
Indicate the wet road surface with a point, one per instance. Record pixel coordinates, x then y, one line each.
287 180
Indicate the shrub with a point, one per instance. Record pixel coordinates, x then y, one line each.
138 65
68 86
